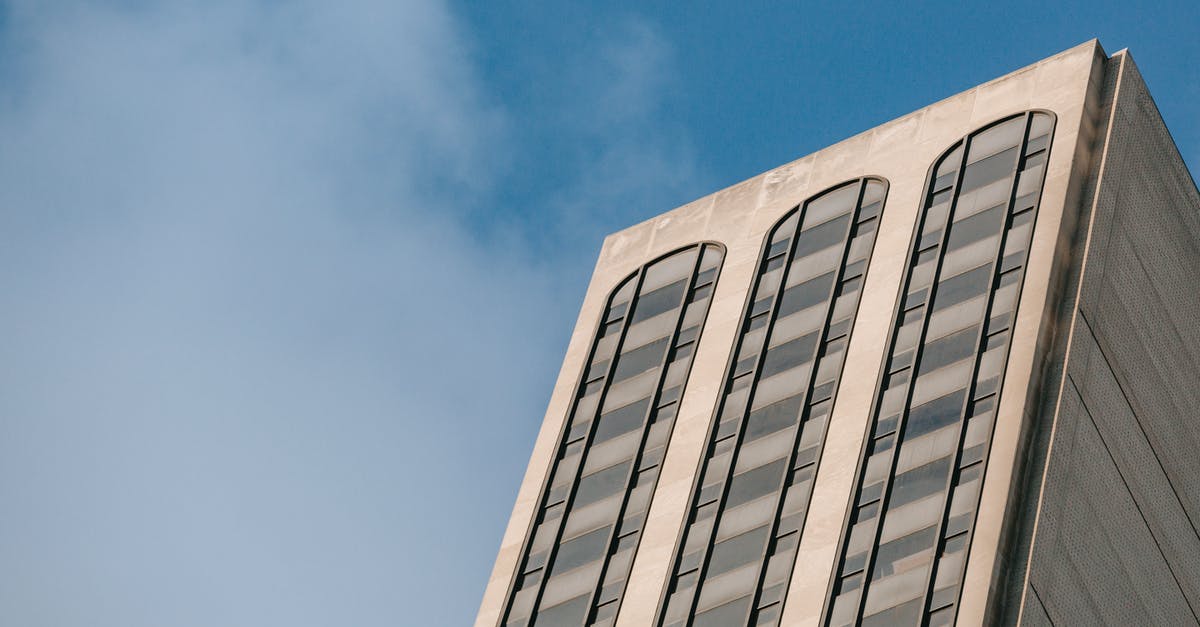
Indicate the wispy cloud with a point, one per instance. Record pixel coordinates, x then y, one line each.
258 365
244 335
639 161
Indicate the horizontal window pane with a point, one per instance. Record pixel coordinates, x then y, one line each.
995 167
822 236
806 295
737 551
573 612
672 268
949 349
621 421
592 516
832 203
905 614
772 418
997 138
650 329
919 482
789 355
579 551
660 300
755 483
763 450
773 389
732 613
601 484
934 415
896 556
613 451
738 520
630 390
976 227
641 359
962 287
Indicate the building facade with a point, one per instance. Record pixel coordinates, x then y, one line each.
943 372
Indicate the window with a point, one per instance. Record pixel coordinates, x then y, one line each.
594 503
735 556
959 296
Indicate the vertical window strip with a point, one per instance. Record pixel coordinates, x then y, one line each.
595 498
644 471
964 482
777 568
929 240
978 334
934 412
853 575
814 262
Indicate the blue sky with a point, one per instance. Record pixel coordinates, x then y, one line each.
286 284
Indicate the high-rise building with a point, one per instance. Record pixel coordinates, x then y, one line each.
945 371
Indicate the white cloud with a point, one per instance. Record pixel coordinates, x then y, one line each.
258 368
245 330
639 161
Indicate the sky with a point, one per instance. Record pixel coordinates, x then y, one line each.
284 286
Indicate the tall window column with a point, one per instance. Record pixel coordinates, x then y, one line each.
578 552
909 526
737 552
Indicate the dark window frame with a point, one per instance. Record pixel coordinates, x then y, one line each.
1001 266
697 279
862 220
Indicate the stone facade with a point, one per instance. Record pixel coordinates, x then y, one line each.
1106 299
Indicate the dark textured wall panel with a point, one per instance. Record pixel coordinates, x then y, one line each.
1116 540
1035 614
1100 563
1157 500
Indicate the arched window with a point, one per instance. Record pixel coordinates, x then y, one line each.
580 548
736 553
905 543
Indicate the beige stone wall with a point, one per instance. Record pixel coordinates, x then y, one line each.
739 217
1072 92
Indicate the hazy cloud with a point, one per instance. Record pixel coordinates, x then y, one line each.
246 348
640 162
258 367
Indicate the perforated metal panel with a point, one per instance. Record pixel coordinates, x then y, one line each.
1116 539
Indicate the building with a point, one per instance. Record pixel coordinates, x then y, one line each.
944 371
